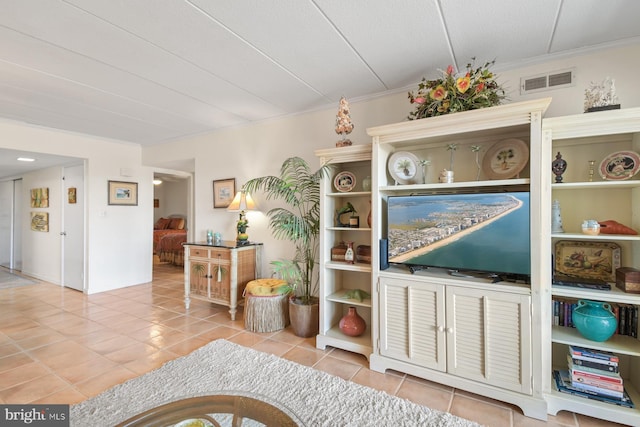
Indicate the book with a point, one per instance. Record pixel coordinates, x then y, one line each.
593 354
563 385
601 391
595 365
582 368
577 380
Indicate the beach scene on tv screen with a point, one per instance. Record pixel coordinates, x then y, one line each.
475 232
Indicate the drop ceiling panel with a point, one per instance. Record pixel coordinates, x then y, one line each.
88 36
299 37
398 57
592 22
44 89
210 47
507 31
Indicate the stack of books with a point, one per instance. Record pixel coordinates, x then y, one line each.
593 374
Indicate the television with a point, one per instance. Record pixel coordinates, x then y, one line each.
475 234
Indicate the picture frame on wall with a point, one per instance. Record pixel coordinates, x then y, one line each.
122 193
40 221
40 197
223 192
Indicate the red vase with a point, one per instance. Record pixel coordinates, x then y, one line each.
352 324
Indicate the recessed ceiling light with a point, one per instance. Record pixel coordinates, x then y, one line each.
157 182
26 159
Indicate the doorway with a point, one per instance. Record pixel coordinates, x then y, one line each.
10 224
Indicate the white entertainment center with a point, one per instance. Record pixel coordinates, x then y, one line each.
493 339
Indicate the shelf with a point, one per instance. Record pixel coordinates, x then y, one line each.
339 297
350 194
363 340
579 236
457 185
619 344
620 414
349 229
614 295
595 185
358 266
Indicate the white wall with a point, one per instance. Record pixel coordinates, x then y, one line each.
119 238
173 197
259 149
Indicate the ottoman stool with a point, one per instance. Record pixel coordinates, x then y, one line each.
266 305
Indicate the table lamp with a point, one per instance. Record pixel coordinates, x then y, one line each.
242 203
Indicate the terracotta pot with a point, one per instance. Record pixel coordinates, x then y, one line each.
352 324
305 318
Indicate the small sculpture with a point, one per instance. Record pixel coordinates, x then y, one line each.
558 166
476 149
601 96
344 125
556 218
348 209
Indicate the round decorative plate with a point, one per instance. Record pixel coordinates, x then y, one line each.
404 167
344 181
505 159
620 165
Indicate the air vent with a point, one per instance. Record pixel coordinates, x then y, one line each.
548 81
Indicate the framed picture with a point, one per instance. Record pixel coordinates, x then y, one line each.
123 193
224 191
39 197
72 195
589 260
40 221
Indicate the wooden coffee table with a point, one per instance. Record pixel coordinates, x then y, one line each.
238 407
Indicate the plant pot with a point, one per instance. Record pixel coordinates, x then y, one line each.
305 319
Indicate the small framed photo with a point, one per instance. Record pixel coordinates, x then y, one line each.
123 193
40 221
224 190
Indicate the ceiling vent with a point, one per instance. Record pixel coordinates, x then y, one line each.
548 81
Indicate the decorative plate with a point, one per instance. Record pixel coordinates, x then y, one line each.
587 260
505 159
344 181
620 165
404 167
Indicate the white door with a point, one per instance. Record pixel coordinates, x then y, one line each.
6 222
73 227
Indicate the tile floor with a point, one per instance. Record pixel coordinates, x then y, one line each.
59 346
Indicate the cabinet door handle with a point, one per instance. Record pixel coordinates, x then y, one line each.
440 328
450 330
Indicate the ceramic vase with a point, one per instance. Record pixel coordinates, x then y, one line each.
352 324
594 320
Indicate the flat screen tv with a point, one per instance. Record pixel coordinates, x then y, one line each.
466 233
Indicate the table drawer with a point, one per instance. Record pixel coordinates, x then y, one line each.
199 252
221 254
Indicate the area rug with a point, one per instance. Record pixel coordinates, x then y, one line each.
11 280
315 397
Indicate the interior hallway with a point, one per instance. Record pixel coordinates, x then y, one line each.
59 346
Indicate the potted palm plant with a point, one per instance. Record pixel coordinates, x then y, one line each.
298 222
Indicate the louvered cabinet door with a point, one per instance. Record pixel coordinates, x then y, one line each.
412 316
489 337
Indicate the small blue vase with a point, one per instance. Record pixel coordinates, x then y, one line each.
594 320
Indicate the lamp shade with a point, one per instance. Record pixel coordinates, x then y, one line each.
242 202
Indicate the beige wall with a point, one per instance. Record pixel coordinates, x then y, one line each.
259 149
119 239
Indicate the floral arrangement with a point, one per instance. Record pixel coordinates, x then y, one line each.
475 89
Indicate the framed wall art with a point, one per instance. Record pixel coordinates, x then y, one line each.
72 195
123 193
223 192
589 260
39 197
40 221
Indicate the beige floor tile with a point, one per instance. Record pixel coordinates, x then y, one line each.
338 367
83 371
22 374
481 412
15 361
273 347
377 380
304 356
67 396
33 390
150 362
104 381
584 421
423 394
187 346
130 353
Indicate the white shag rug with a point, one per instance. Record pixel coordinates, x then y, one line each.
314 397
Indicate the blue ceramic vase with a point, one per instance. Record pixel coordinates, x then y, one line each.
594 320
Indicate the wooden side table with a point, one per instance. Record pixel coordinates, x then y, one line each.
219 273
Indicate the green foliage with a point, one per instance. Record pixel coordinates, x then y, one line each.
299 222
